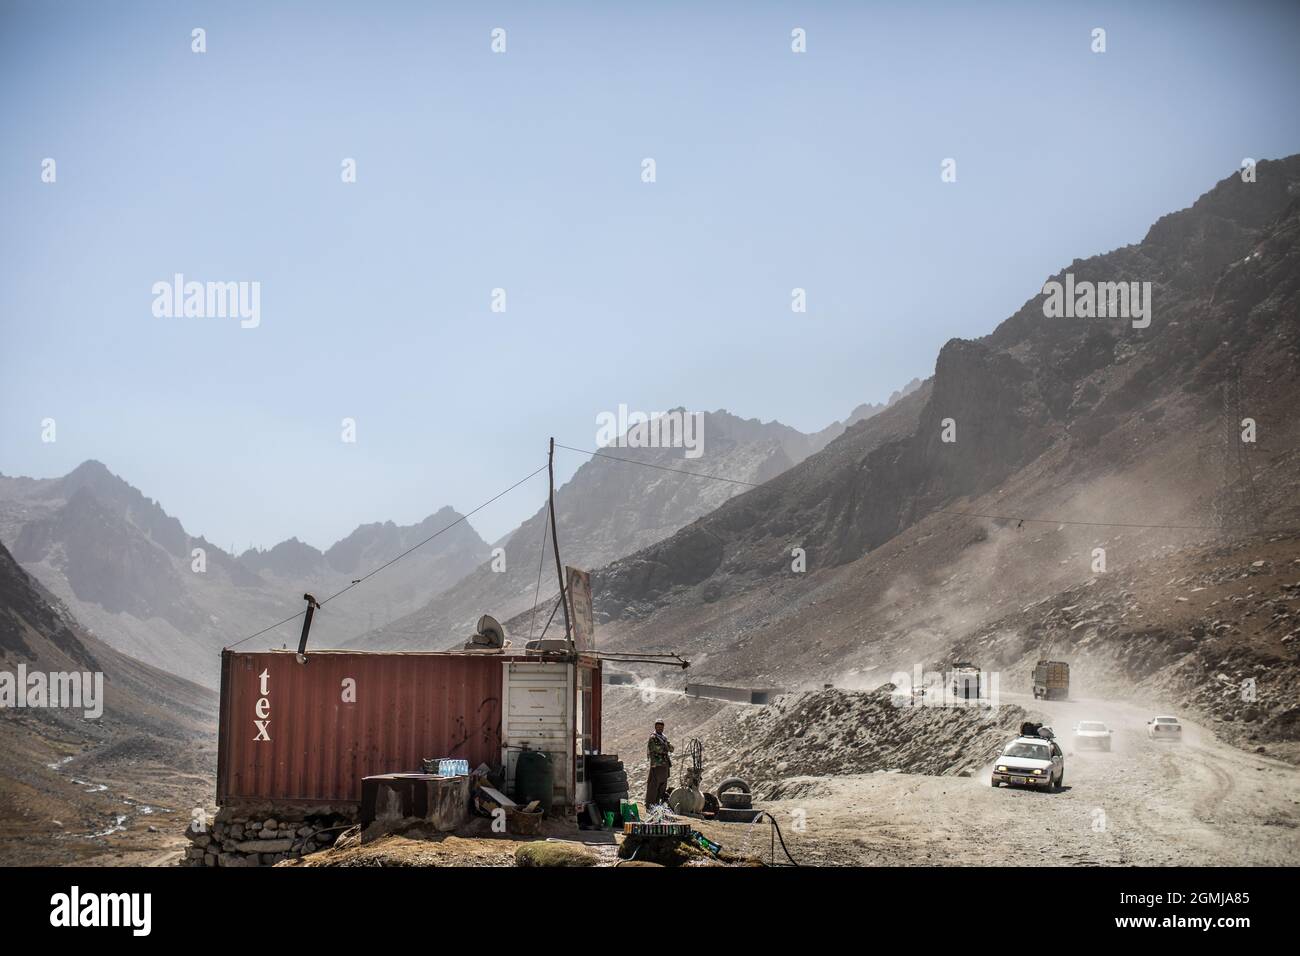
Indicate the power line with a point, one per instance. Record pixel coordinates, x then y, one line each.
646 464
293 617
393 561
463 517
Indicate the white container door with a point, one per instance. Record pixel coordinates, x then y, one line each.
539 715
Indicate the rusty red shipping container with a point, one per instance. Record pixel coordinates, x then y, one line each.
308 732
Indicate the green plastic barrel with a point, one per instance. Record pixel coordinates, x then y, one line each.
535 779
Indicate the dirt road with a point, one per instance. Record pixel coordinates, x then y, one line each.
1199 802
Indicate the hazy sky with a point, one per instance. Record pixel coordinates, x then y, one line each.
522 171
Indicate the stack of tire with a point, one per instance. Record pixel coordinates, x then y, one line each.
608 783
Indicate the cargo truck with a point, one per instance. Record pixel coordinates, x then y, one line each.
1052 680
965 681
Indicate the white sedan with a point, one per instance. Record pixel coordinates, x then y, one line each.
1091 733
1030 762
1164 728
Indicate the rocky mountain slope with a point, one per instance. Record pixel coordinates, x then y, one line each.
69 785
1081 425
127 571
606 510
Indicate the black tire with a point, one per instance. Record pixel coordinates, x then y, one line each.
602 763
736 801
732 783
602 781
615 787
995 784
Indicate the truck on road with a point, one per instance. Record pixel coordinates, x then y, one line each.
966 680
1052 680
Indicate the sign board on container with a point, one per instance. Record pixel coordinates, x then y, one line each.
584 622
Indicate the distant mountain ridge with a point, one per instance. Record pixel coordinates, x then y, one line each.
126 569
363 549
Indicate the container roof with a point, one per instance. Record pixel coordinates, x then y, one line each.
507 652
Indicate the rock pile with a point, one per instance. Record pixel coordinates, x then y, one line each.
244 837
832 732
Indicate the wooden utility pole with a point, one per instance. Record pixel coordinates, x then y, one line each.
555 543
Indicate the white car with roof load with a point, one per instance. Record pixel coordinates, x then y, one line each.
1164 728
1030 762
1092 733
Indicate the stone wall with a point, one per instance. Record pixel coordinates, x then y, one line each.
264 835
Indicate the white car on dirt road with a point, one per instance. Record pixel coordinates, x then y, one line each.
1091 733
1030 762
1164 728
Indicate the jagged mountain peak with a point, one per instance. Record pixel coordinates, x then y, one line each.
369 544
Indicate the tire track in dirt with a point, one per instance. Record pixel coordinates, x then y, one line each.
1222 785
